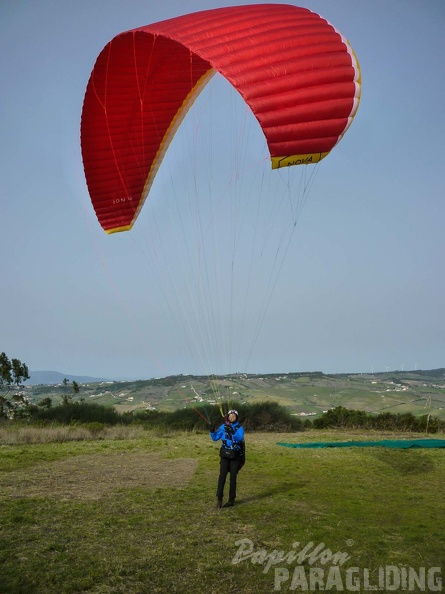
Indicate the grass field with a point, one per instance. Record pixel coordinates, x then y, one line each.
134 512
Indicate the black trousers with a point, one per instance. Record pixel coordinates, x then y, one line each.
225 467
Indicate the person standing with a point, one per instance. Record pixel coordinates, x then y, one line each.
231 453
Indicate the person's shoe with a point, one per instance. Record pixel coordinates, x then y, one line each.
218 503
230 503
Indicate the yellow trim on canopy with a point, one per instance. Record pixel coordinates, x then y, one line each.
278 162
119 229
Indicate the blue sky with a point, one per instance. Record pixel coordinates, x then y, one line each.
362 285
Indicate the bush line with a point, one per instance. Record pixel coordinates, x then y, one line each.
262 416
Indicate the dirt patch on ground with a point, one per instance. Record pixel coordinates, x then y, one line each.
92 476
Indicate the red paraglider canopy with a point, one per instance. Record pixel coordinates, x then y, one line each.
296 72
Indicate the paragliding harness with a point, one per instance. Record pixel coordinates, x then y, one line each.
237 452
242 456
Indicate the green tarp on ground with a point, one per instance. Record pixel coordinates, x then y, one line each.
387 443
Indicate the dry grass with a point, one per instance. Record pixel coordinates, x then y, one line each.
60 433
92 476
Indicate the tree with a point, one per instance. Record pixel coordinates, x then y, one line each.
68 398
12 375
45 403
5 371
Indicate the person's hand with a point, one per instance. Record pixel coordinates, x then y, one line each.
230 430
212 427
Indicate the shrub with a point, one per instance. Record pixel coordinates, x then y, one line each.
345 418
95 428
81 412
268 416
262 416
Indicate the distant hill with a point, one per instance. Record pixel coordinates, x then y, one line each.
55 377
305 394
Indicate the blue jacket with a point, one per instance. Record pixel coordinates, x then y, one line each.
234 441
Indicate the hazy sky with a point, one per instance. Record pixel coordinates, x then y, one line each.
362 286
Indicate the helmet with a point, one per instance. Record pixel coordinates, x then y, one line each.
233 411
